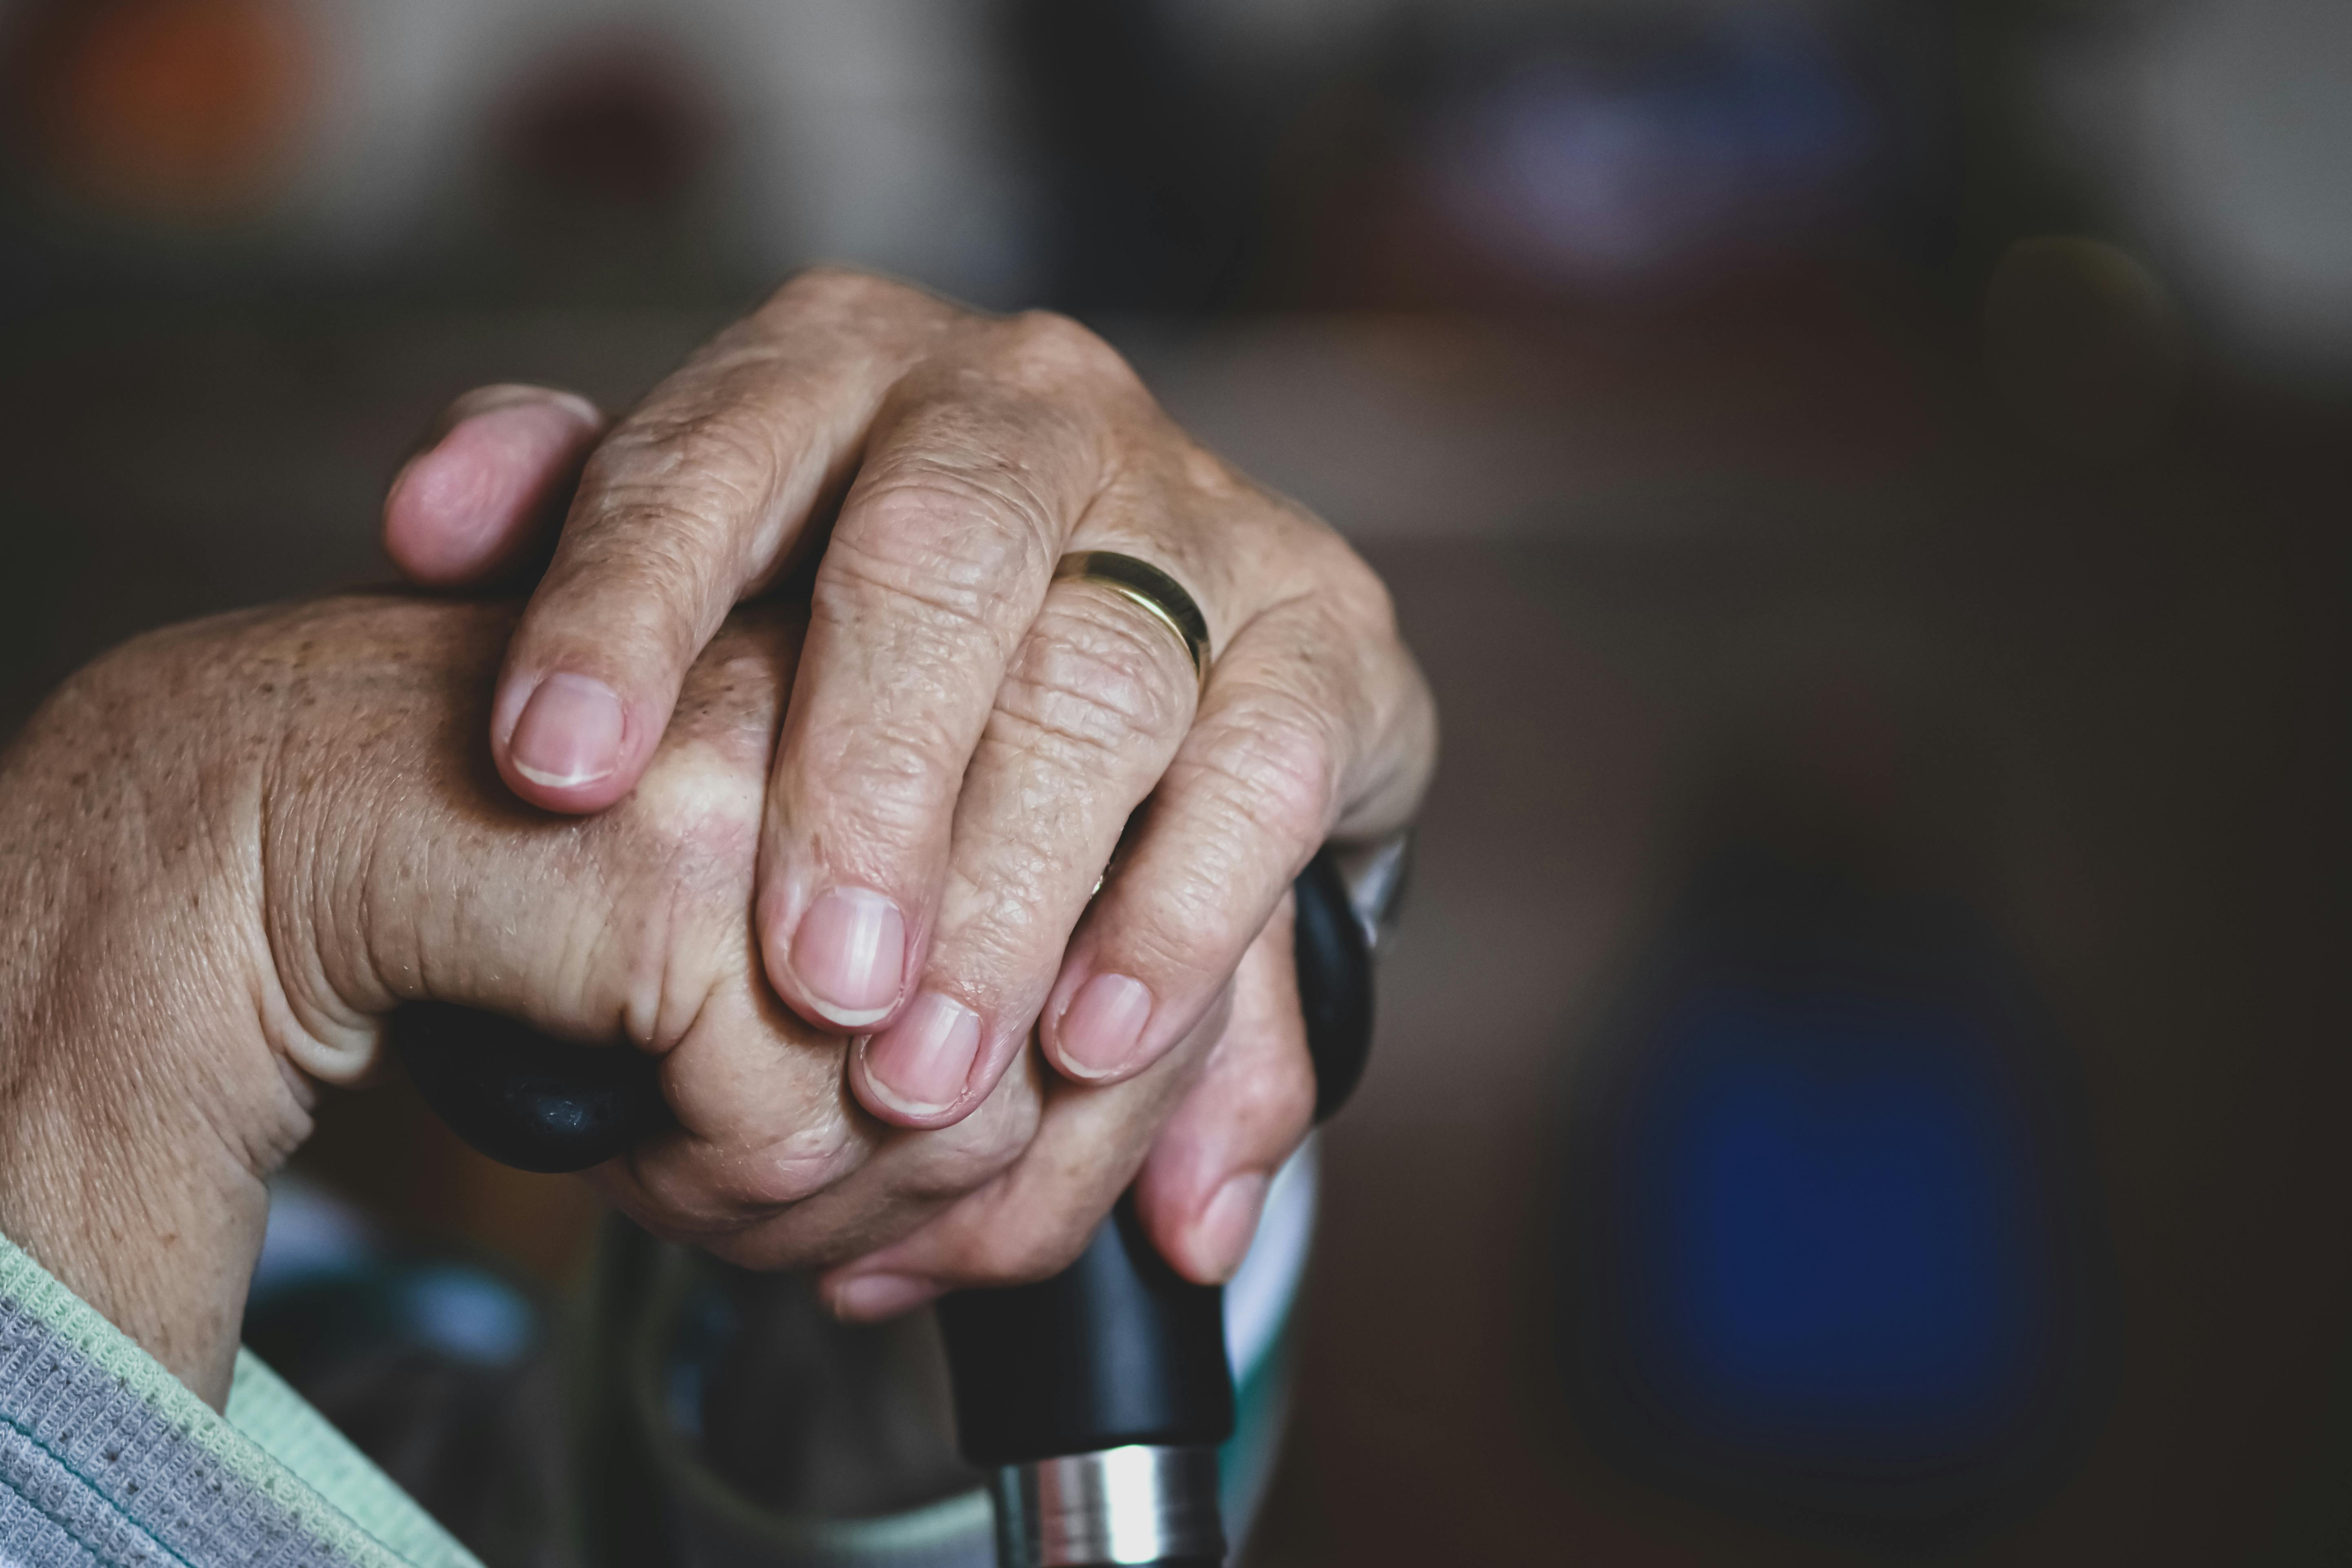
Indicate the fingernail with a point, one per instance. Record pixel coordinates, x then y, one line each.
570 733
1103 1024
1229 1225
919 1068
850 952
880 1295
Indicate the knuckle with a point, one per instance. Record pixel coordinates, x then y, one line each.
831 283
892 782
679 855
1357 596
995 1150
787 1174
716 452
940 541
1269 763
888 771
1215 479
1320 572
714 1194
965 1166
1096 681
1048 347
677 1208
694 826
965 1157
1256 787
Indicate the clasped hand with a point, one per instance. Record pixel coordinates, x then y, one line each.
834 862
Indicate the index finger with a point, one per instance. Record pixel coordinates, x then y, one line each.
695 500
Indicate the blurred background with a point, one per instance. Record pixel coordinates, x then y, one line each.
1864 1076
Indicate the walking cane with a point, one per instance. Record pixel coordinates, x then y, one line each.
1095 1400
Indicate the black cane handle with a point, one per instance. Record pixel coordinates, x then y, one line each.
1116 1350
525 1099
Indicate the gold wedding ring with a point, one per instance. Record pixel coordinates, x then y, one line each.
1150 589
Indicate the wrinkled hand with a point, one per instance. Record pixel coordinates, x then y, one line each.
228 850
967 738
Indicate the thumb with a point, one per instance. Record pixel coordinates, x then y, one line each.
398 871
489 484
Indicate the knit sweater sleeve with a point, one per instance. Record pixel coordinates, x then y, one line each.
106 1459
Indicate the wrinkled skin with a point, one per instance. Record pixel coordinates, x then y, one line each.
230 848
967 739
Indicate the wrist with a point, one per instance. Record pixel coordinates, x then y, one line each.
141 1106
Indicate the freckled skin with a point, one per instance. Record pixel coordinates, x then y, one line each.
229 848
970 739
967 738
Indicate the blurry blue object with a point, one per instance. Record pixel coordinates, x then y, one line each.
1828 1204
313 1234
464 1314
1833 1247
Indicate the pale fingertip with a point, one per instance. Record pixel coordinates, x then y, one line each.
919 1068
1102 1027
849 955
569 734
867 1298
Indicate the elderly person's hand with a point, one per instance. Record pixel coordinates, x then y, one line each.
967 736
228 850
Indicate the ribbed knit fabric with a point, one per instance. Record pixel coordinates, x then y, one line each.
107 1460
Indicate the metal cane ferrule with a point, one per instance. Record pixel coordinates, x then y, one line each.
1135 1505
